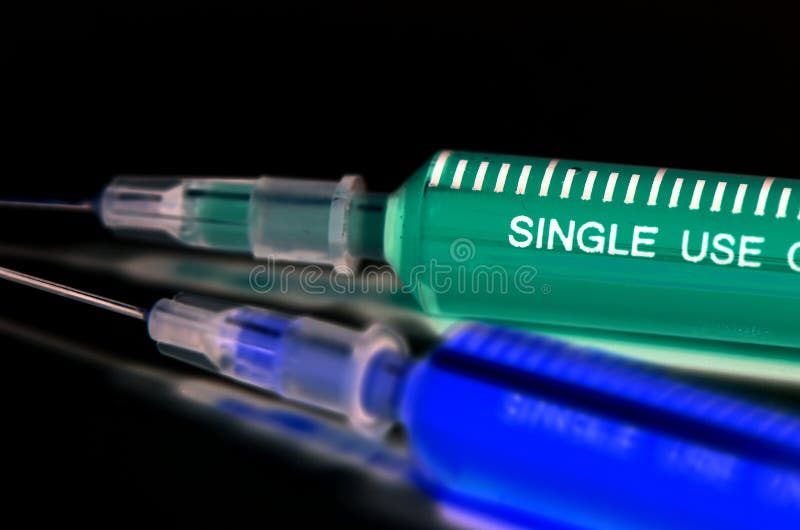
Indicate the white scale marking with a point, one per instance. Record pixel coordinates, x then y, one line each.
784 202
567 183
438 168
548 175
460 168
631 193
587 188
739 199
479 176
719 193
763 195
697 195
501 178
523 179
612 181
651 201
676 193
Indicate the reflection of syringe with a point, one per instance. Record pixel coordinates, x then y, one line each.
520 421
663 251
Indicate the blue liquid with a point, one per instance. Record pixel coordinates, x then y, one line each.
583 437
259 346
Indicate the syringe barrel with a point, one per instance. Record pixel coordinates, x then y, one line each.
656 250
301 359
581 436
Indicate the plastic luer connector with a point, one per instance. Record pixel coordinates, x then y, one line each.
199 212
303 220
307 221
302 359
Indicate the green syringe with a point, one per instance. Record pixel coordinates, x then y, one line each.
656 250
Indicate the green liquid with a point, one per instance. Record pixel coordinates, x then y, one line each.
218 213
611 253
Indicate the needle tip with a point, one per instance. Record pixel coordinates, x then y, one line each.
59 205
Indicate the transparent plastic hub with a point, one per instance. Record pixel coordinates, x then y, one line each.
305 221
299 358
200 212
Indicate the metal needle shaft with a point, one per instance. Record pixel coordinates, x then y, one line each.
73 294
64 206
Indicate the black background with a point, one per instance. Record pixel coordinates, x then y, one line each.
316 92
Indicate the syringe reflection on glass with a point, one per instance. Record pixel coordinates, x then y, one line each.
520 421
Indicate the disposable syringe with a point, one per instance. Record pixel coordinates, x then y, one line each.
655 250
519 421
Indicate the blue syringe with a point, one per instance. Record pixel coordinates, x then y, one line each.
519 421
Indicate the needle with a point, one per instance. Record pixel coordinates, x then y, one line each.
74 294
63 206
